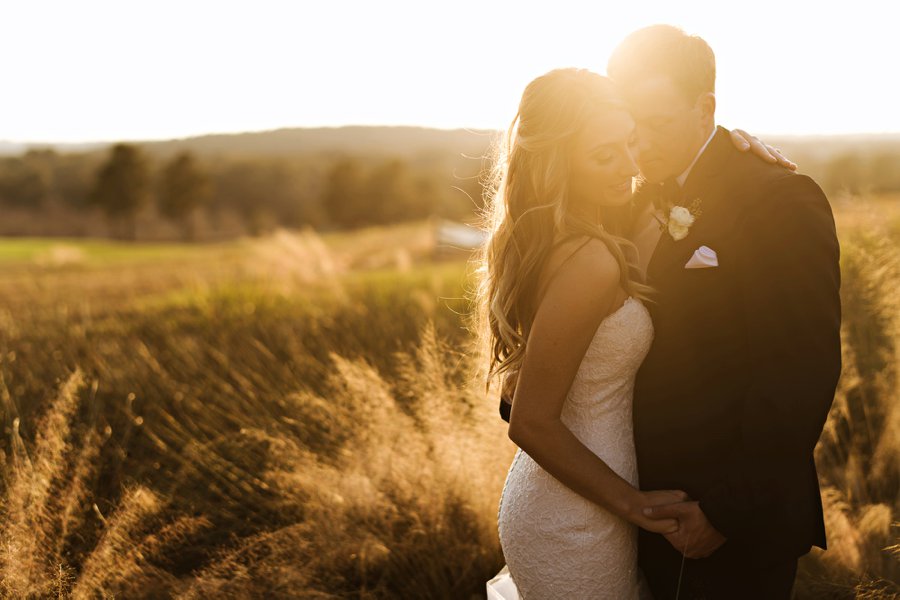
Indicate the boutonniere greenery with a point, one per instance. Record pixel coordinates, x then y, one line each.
680 219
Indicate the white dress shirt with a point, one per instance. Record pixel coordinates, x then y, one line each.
681 178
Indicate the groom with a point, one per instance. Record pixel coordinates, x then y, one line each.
733 394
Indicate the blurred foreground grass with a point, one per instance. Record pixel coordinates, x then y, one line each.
300 417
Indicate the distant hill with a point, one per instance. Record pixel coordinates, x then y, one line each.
14 148
7 148
404 142
411 142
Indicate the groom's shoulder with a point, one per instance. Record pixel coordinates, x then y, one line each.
766 183
749 169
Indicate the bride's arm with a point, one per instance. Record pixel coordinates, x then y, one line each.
583 291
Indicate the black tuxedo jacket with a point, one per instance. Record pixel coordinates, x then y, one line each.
734 392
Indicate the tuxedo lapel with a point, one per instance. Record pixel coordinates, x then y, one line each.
662 254
709 166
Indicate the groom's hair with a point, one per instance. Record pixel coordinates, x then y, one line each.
665 50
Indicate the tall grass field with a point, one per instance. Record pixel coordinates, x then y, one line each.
303 416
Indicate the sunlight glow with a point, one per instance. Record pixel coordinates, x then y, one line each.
103 70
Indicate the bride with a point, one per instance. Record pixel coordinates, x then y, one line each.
562 304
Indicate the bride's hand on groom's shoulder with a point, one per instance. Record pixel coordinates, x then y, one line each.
745 142
652 499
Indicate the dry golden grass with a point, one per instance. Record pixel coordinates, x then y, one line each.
299 417
858 454
405 509
46 495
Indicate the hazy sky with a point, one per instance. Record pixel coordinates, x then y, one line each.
132 69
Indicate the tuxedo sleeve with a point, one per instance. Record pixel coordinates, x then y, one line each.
789 279
505 409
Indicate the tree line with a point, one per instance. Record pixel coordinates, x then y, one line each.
323 190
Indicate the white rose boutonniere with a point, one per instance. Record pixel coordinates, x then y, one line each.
680 220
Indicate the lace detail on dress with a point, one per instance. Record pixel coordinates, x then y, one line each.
557 544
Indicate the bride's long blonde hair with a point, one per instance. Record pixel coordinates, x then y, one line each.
528 209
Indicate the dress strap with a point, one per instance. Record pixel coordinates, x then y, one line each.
543 289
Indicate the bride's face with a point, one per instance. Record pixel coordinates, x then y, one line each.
601 161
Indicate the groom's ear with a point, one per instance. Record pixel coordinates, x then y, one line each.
706 102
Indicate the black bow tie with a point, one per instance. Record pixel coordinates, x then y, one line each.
670 193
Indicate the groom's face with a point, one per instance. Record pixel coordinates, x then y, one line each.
670 127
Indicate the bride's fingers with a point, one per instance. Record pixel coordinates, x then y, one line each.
663 526
679 495
783 160
746 142
667 511
676 527
741 139
762 150
660 497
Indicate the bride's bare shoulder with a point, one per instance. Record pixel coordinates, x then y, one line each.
580 268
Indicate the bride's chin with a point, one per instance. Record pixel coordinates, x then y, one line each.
618 199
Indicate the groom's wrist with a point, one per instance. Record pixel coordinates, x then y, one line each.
722 517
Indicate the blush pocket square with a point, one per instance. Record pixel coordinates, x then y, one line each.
703 258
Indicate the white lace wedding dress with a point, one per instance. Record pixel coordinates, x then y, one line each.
556 543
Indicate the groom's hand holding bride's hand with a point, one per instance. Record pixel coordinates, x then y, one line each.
656 498
695 537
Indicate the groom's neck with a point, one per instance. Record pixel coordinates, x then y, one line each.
700 142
